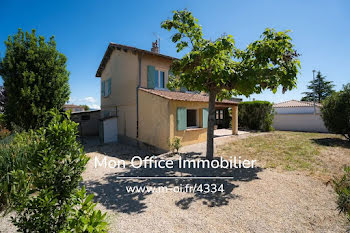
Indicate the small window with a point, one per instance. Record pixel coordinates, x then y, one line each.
159 79
191 118
221 114
217 114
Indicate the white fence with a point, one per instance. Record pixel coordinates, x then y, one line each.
299 122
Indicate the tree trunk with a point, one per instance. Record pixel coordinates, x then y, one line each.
211 123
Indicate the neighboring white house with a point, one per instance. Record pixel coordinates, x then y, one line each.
297 115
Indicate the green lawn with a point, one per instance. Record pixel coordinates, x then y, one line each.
320 155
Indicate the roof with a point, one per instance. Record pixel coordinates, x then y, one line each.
295 103
187 96
72 106
112 46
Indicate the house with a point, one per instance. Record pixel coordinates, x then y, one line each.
134 89
297 115
73 108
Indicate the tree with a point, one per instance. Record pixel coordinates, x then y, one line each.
321 87
86 108
336 112
35 79
2 98
222 70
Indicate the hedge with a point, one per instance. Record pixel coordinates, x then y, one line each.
255 115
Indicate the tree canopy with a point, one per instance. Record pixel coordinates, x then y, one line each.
35 79
336 112
321 87
219 68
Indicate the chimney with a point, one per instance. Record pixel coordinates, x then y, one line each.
155 47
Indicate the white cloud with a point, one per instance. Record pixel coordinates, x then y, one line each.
89 99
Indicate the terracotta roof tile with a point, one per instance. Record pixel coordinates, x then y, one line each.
295 103
186 96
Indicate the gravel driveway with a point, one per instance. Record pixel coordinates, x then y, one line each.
256 200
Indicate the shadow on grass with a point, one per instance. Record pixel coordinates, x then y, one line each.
332 142
112 191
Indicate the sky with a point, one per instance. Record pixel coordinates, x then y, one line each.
83 30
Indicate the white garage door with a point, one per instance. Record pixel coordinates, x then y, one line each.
110 130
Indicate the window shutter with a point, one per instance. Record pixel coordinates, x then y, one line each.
181 118
205 118
150 77
103 89
109 87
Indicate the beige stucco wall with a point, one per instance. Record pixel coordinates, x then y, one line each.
123 69
158 62
153 120
188 136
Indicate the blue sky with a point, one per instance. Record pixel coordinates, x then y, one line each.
83 29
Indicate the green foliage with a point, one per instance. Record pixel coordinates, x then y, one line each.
321 87
175 144
48 163
220 66
256 115
86 108
14 179
222 70
85 218
35 79
342 188
336 112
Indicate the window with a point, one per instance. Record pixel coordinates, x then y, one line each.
219 114
159 79
191 118
106 87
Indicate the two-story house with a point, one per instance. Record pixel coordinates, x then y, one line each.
133 88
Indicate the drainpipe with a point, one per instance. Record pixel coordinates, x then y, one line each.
137 98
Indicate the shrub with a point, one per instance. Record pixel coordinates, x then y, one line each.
342 188
14 179
175 144
54 162
255 115
336 112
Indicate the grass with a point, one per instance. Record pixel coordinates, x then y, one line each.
320 155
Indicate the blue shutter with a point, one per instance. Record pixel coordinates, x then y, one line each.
109 83
103 89
150 77
161 79
181 118
156 83
205 117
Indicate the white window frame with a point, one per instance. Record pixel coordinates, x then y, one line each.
157 86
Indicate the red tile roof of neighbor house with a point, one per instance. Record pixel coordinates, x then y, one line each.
296 103
112 46
187 96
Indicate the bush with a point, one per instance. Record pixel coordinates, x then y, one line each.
14 178
342 188
255 115
50 162
175 144
336 112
